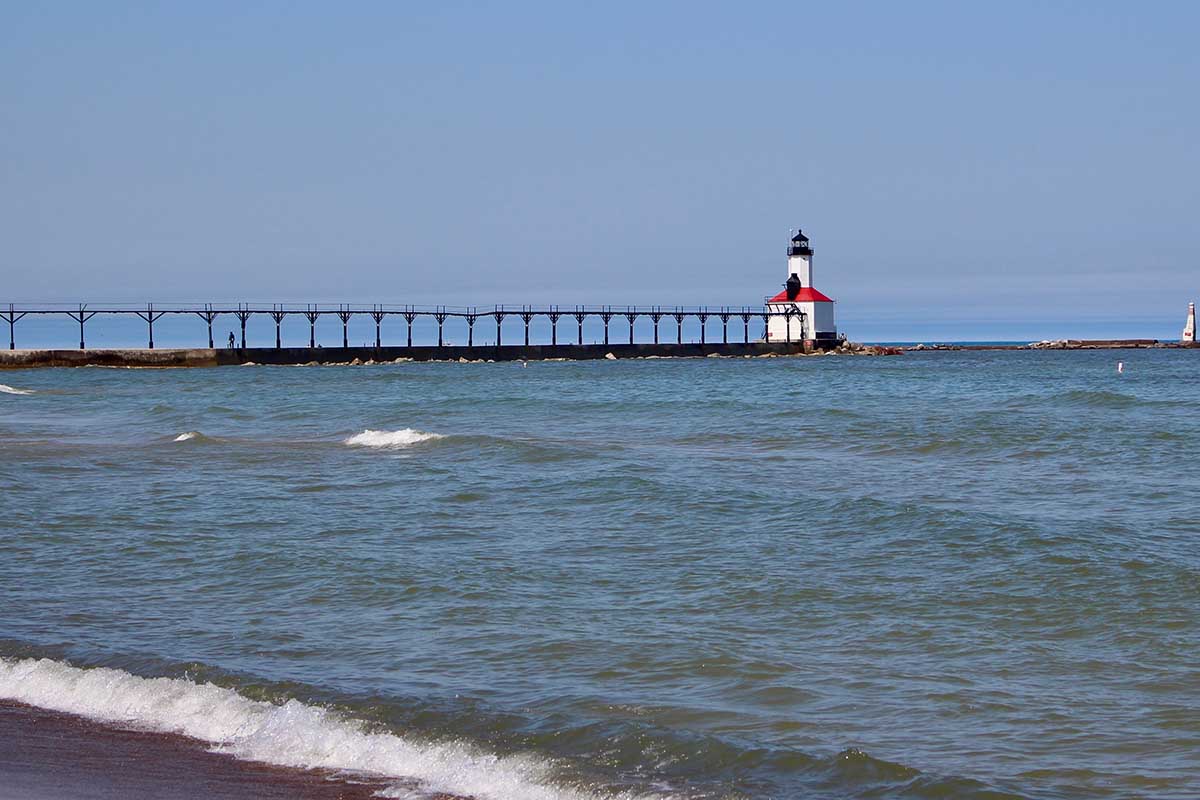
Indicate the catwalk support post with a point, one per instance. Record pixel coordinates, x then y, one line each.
499 314
553 315
631 314
526 316
277 314
409 316
11 318
150 316
312 314
377 313
440 315
580 316
344 314
208 315
243 313
81 316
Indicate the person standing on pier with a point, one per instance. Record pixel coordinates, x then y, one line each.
231 340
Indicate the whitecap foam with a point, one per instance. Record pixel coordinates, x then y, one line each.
187 437
404 437
290 735
5 389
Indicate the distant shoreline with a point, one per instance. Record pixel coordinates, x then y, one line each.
1057 344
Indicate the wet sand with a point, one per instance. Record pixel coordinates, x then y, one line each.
45 755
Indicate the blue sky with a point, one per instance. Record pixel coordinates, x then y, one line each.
1014 171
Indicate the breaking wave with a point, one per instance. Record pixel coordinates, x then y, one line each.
5 389
196 437
291 734
404 437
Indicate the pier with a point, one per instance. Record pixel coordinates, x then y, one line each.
217 357
723 330
82 313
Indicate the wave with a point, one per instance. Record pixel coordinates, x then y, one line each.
1095 398
291 734
6 389
190 436
405 437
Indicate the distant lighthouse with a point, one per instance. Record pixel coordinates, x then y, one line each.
812 312
1189 328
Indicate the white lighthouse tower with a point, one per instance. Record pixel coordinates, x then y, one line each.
1189 328
811 318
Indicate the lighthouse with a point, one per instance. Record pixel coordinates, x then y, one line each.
1189 328
811 317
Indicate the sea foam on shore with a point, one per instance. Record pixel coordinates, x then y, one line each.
292 734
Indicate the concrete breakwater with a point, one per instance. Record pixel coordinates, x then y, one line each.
216 357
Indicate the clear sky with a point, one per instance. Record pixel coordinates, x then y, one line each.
990 171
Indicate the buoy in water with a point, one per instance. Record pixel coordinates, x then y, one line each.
1120 367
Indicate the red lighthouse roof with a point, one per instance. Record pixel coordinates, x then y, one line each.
806 295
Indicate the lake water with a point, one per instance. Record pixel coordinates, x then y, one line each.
959 574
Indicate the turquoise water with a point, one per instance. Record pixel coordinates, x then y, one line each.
959 574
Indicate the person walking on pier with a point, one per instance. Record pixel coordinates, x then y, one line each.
231 340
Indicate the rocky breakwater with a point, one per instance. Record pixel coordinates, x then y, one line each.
1095 344
857 348
1054 344
848 348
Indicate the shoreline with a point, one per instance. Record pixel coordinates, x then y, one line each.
46 755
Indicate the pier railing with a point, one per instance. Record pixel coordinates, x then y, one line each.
208 313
